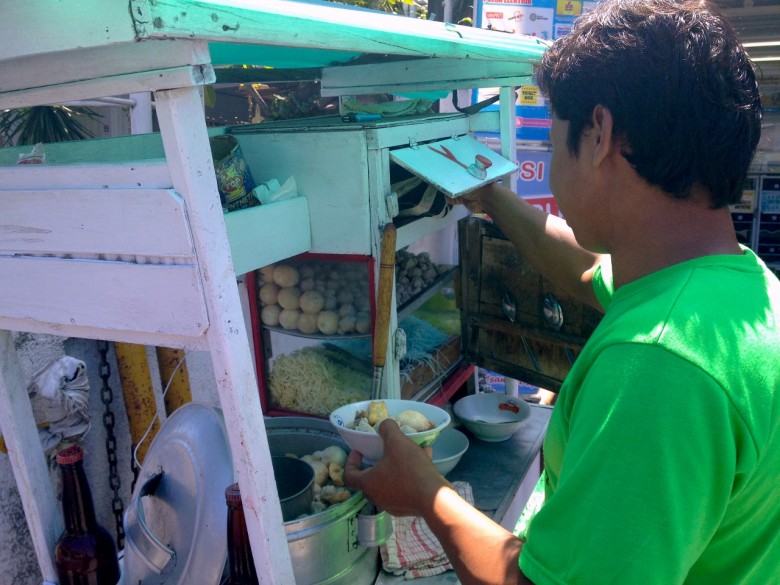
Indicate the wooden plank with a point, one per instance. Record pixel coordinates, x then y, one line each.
31 471
45 70
404 131
129 175
109 86
330 170
262 235
429 162
160 339
183 128
485 121
507 130
280 23
66 25
154 298
87 222
120 150
422 75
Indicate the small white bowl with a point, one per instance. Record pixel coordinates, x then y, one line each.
448 449
370 444
491 416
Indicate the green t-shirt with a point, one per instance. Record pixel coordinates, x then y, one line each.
662 457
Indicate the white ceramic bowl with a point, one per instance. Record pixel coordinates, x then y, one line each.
492 416
448 449
370 444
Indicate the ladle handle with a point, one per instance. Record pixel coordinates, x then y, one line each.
384 295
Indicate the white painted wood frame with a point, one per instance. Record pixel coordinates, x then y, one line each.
185 138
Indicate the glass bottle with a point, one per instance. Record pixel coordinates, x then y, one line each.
241 565
85 554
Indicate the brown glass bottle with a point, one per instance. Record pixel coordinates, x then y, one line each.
241 565
85 554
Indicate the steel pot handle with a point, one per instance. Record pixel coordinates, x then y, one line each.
374 527
150 549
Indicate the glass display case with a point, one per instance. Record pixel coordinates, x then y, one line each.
313 323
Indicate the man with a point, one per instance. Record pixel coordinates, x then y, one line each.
663 451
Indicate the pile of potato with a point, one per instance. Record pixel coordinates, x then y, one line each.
327 298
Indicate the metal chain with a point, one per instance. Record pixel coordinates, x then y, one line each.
114 481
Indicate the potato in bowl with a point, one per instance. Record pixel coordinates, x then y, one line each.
363 437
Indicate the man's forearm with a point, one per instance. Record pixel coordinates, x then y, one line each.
544 240
481 551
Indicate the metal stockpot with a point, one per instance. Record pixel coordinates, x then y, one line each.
337 546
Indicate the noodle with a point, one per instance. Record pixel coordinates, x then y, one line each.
306 381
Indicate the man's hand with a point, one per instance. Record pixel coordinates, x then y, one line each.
473 199
404 482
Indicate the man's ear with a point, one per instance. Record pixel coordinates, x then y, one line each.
603 142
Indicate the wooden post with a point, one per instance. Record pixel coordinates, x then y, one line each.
185 139
27 459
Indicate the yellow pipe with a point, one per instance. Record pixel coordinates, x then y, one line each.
177 380
138 392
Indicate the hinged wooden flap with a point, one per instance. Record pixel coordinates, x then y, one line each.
548 327
455 166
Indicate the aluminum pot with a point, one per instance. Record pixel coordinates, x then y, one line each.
339 545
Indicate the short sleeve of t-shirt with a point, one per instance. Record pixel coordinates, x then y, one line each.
602 282
638 473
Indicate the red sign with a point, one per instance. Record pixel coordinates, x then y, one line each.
546 203
532 170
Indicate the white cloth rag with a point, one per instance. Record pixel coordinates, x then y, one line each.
412 550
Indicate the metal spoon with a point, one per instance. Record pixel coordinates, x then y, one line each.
553 316
509 308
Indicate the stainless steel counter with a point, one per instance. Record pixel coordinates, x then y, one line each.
496 472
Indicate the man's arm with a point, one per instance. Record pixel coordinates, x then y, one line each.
544 240
481 551
406 483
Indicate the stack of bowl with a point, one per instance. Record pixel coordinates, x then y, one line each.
448 449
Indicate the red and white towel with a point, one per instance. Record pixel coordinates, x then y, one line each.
412 550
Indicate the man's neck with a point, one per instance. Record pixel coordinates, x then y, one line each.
668 232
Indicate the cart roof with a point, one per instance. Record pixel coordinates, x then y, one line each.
273 33
306 33
79 44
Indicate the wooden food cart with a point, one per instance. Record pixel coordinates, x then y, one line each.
125 239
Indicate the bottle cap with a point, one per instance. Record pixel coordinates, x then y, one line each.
233 494
71 455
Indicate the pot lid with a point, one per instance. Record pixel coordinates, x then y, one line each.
176 523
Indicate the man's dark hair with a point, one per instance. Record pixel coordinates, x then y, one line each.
679 85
